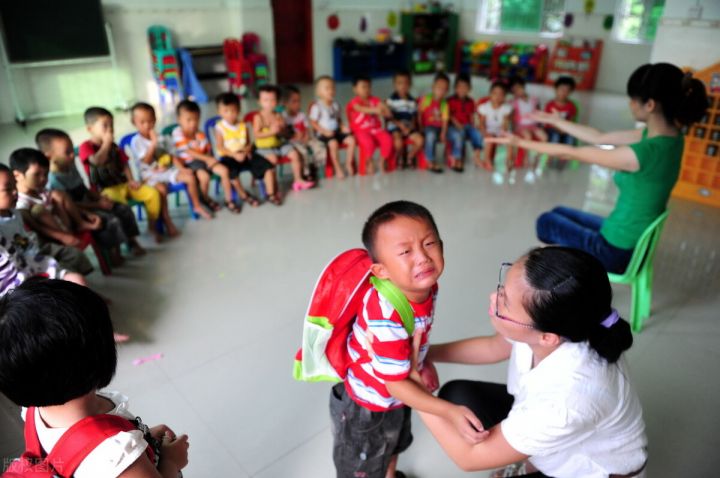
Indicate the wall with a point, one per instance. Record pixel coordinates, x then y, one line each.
698 36
192 22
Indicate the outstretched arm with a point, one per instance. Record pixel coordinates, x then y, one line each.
589 134
473 351
622 158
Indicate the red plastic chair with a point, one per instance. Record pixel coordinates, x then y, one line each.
240 71
86 240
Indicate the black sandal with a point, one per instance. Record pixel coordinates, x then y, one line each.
214 207
436 169
251 200
233 208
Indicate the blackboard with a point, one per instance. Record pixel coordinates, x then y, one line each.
46 30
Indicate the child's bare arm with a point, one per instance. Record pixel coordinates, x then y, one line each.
316 126
201 156
48 228
257 126
220 145
414 395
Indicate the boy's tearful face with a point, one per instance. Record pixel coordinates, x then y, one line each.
410 254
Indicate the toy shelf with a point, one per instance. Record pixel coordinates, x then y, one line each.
700 171
430 38
577 58
502 60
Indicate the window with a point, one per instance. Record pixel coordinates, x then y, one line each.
637 20
530 16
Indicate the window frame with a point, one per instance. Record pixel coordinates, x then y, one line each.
642 38
481 22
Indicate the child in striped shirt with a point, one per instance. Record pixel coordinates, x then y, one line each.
389 372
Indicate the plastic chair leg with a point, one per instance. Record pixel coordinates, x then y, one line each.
262 191
102 258
177 199
635 319
193 214
139 209
645 291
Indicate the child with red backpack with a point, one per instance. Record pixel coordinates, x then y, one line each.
368 326
56 352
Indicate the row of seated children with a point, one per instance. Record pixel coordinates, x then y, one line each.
414 125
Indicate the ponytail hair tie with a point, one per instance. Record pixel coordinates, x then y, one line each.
611 319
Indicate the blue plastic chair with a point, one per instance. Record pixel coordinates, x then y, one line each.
172 188
210 134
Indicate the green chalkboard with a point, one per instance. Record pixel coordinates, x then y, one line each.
45 30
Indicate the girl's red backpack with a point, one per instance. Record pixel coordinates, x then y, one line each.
70 451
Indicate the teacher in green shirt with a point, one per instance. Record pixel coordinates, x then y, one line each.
646 161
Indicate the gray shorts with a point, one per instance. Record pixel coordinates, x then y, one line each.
364 442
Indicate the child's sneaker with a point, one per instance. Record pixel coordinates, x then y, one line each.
511 177
530 177
497 178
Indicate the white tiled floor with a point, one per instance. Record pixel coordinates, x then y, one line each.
225 302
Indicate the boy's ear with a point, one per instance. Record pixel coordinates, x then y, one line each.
379 271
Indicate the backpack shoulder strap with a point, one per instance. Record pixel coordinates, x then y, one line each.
82 438
398 301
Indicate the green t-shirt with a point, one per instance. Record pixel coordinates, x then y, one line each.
644 193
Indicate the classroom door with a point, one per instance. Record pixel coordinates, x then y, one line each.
292 23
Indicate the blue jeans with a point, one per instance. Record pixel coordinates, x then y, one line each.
555 136
432 136
458 137
565 226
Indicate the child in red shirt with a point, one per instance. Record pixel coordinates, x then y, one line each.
563 107
462 124
365 113
434 116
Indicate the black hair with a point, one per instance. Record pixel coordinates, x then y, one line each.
387 213
516 80
141 105
463 78
45 137
682 98
441 76
571 298
289 90
187 105
94 113
404 73
57 343
227 99
357 79
566 80
5 169
269 89
499 84
21 159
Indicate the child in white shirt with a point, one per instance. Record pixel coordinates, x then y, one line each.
494 120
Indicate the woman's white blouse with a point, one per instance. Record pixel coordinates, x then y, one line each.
575 414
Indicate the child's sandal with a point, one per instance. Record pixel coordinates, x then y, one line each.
251 200
215 207
233 208
275 199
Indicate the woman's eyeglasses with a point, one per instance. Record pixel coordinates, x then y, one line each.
504 267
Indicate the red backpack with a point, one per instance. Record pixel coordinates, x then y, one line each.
331 314
70 451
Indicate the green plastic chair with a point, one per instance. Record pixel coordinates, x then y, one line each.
639 272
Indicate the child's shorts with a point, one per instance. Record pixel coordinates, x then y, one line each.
364 442
256 164
339 136
196 165
280 151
